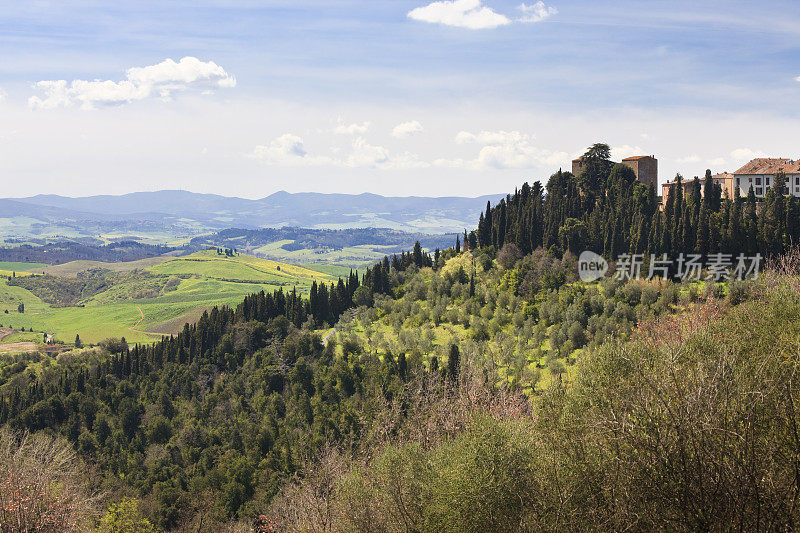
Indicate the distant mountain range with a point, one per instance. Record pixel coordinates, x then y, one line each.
183 213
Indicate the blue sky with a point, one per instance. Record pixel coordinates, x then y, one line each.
394 97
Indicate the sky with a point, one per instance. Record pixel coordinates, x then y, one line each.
408 98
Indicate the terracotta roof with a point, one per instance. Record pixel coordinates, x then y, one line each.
579 159
635 157
770 165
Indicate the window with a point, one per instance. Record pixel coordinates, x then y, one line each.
758 181
797 180
737 181
767 182
759 191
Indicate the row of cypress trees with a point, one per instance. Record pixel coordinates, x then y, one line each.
607 210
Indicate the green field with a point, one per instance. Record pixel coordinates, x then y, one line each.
336 271
200 281
21 267
72 268
349 256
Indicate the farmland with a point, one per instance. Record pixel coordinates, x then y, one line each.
13 266
140 300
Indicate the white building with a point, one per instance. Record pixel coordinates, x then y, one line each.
761 172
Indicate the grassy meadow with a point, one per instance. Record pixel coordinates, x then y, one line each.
349 256
132 309
11 266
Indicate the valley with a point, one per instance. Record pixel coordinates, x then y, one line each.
140 300
440 266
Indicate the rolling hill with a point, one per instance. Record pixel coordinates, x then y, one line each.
141 300
183 213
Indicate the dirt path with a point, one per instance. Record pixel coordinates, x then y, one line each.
133 328
5 332
328 336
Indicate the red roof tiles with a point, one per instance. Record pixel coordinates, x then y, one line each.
770 165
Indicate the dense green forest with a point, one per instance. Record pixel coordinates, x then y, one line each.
478 388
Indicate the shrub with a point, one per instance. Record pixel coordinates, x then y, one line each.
576 334
41 485
125 517
649 295
484 479
669 295
509 255
114 345
738 292
715 290
362 296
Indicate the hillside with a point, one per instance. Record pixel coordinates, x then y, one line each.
460 379
350 247
480 387
170 214
141 300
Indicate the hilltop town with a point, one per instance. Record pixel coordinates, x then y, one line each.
759 173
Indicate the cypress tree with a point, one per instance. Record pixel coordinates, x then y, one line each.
751 222
453 362
701 246
734 235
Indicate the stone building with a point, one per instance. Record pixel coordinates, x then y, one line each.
577 166
723 179
644 166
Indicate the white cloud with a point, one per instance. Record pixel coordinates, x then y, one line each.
491 137
468 14
187 70
717 161
694 158
367 155
473 15
745 154
503 150
140 83
3 95
289 150
536 12
407 129
352 129
797 79
619 153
